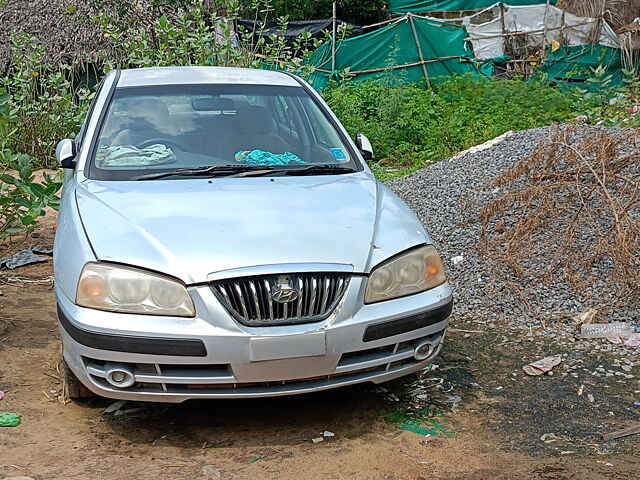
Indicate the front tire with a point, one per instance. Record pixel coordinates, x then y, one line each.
71 386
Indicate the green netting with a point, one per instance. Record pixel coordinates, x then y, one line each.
392 52
577 63
404 6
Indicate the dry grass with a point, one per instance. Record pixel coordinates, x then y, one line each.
572 210
618 13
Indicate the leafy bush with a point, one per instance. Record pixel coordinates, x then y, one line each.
45 106
200 37
411 126
610 104
22 199
355 11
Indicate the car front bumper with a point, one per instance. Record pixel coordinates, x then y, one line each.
213 356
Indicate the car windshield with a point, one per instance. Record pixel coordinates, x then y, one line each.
149 130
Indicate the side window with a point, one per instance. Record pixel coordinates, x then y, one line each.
284 115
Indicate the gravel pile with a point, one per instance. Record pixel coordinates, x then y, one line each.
446 197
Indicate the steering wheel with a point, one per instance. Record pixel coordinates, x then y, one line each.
164 141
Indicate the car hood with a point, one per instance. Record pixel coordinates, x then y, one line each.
190 228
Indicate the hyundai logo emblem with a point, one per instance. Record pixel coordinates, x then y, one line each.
283 291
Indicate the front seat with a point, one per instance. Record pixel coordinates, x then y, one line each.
254 128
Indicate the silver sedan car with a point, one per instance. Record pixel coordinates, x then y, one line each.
221 236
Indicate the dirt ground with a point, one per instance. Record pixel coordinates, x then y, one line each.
486 418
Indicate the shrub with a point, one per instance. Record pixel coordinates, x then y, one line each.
198 37
22 199
45 106
411 126
355 11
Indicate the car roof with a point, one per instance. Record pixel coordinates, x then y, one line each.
139 77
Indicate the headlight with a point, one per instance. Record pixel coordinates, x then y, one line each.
413 272
128 290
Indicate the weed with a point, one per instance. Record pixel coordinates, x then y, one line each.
411 126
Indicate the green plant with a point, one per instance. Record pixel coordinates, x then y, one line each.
411 126
200 36
609 104
22 198
355 11
45 106
6 117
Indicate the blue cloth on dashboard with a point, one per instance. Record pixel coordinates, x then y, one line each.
263 158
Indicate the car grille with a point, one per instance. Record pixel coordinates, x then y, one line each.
250 300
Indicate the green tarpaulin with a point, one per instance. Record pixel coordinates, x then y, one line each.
373 54
403 6
577 63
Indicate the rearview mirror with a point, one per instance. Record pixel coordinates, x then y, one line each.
364 145
66 153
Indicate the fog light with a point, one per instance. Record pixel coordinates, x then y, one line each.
423 351
119 376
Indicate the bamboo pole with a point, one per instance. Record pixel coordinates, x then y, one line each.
396 67
386 22
504 30
475 14
544 35
514 34
333 39
415 37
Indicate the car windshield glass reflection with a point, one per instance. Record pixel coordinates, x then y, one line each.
160 129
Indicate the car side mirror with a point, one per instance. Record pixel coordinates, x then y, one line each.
66 153
364 145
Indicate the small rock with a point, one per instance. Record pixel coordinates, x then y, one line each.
457 259
591 398
549 438
210 471
114 407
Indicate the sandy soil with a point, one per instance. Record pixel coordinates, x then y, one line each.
496 423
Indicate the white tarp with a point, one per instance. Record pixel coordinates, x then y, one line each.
561 27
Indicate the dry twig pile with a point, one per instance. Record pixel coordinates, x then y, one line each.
572 211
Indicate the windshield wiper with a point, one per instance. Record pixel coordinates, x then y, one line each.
210 171
320 170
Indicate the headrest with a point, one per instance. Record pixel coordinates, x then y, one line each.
254 121
213 104
147 113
